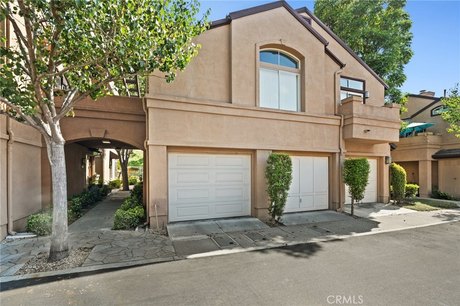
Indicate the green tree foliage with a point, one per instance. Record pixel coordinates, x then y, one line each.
397 182
91 45
356 177
452 113
279 176
379 31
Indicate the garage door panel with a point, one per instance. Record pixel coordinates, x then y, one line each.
306 177
307 202
187 177
230 177
190 160
186 211
199 189
310 186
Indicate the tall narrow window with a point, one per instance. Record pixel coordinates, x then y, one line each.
279 77
351 87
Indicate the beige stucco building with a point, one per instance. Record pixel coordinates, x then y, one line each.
432 158
266 79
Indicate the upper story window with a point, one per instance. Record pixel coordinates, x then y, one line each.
438 110
279 77
351 87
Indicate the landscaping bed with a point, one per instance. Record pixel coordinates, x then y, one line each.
40 262
429 205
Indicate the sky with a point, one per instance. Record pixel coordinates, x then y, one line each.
435 65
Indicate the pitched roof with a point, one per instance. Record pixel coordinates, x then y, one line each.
306 22
342 43
435 100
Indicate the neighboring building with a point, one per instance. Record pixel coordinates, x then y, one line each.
267 79
431 157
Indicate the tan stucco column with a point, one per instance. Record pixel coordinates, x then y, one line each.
424 174
158 186
260 197
106 166
336 183
383 181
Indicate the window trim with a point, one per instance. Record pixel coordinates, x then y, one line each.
363 92
263 65
435 108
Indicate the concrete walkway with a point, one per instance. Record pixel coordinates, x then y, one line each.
115 249
101 216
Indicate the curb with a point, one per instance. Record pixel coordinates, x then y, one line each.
17 281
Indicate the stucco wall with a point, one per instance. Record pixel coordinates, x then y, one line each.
24 161
76 174
449 176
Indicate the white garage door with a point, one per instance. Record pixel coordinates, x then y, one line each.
310 185
370 194
206 186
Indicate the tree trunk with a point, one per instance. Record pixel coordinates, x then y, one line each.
124 176
59 246
124 155
352 206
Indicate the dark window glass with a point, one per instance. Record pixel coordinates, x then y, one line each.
270 57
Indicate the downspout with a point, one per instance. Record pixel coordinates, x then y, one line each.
9 180
341 153
146 177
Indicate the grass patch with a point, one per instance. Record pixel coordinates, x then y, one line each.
429 205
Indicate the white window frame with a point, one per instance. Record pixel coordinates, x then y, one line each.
278 69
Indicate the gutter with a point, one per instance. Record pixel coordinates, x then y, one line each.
9 180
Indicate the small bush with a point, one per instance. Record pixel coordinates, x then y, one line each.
438 194
128 219
75 207
132 180
138 192
398 182
115 184
411 190
40 224
105 190
279 176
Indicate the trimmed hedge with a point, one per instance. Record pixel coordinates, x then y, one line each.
128 219
131 212
40 224
438 194
398 182
279 176
411 190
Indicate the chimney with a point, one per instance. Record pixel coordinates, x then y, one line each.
426 93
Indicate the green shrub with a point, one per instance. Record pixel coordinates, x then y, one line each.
398 182
356 177
75 207
115 184
132 180
129 203
138 192
105 190
128 219
411 190
438 194
40 224
279 176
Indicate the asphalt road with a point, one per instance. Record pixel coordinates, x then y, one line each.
411 267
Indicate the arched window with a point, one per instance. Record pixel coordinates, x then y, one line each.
279 77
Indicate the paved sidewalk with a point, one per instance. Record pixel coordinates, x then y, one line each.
114 249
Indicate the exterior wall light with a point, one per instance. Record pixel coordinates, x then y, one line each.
366 94
387 160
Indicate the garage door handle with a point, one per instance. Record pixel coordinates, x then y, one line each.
300 200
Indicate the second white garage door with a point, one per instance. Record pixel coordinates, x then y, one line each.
206 186
310 184
370 194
